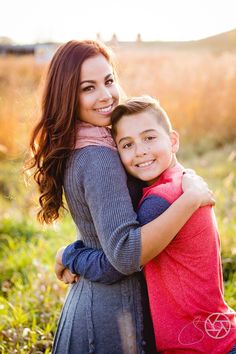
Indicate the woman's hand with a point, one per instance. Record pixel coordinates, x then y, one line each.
197 189
62 273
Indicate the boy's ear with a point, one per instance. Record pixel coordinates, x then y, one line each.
174 137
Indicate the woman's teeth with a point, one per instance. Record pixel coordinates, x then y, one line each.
105 109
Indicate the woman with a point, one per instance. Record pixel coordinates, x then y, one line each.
80 94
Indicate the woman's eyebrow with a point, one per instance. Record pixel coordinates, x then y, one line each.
87 81
93 81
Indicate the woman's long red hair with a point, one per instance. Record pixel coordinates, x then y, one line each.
54 136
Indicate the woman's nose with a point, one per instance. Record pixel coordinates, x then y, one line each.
104 94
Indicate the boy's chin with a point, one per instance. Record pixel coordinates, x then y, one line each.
144 180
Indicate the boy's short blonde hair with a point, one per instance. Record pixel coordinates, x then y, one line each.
140 104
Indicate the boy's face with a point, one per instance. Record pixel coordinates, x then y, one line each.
145 148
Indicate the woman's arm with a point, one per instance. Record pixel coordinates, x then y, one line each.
93 264
126 245
168 225
196 194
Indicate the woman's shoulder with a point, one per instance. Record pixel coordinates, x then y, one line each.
94 157
93 150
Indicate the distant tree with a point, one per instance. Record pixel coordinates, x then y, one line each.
114 39
98 36
5 40
139 38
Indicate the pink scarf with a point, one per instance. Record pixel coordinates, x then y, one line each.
88 134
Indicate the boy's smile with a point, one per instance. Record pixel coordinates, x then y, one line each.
145 147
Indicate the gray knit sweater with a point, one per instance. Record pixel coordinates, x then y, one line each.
99 318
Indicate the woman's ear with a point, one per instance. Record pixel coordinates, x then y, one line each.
174 138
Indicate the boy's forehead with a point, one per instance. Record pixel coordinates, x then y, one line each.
139 121
135 124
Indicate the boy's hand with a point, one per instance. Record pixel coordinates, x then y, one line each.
59 255
68 277
63 273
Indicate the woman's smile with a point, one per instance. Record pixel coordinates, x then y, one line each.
99 94
107 110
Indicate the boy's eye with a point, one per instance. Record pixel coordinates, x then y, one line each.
127 146
150 138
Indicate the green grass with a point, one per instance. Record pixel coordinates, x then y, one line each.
30 295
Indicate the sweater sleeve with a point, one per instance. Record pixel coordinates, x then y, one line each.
106 193
89 262
92 263
152 207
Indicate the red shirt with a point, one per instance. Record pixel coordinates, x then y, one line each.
184 281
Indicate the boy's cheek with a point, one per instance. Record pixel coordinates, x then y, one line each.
125 160
130 168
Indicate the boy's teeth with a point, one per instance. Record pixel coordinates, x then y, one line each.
145 164
106 109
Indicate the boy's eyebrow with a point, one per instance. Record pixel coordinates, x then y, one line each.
144 132
149 131
125 138
93 81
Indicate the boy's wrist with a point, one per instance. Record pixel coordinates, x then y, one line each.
59 255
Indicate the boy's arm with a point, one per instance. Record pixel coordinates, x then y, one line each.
152 207
92 263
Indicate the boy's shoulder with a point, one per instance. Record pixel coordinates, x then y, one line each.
168 186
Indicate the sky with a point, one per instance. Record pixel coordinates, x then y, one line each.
29 21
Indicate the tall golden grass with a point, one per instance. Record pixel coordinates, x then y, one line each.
197 89
20 79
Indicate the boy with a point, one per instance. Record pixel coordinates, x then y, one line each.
184 281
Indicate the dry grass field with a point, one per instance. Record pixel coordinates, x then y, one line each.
198 91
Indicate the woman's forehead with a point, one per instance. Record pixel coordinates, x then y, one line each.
95 68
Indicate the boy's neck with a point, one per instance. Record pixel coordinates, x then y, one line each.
174 161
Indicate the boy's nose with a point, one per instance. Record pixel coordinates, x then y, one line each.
141 150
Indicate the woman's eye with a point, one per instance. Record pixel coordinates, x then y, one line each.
109 82
87 88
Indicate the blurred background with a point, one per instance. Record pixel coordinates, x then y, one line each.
181 52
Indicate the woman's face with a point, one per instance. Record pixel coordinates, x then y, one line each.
99 94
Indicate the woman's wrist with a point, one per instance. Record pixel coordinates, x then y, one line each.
192 199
